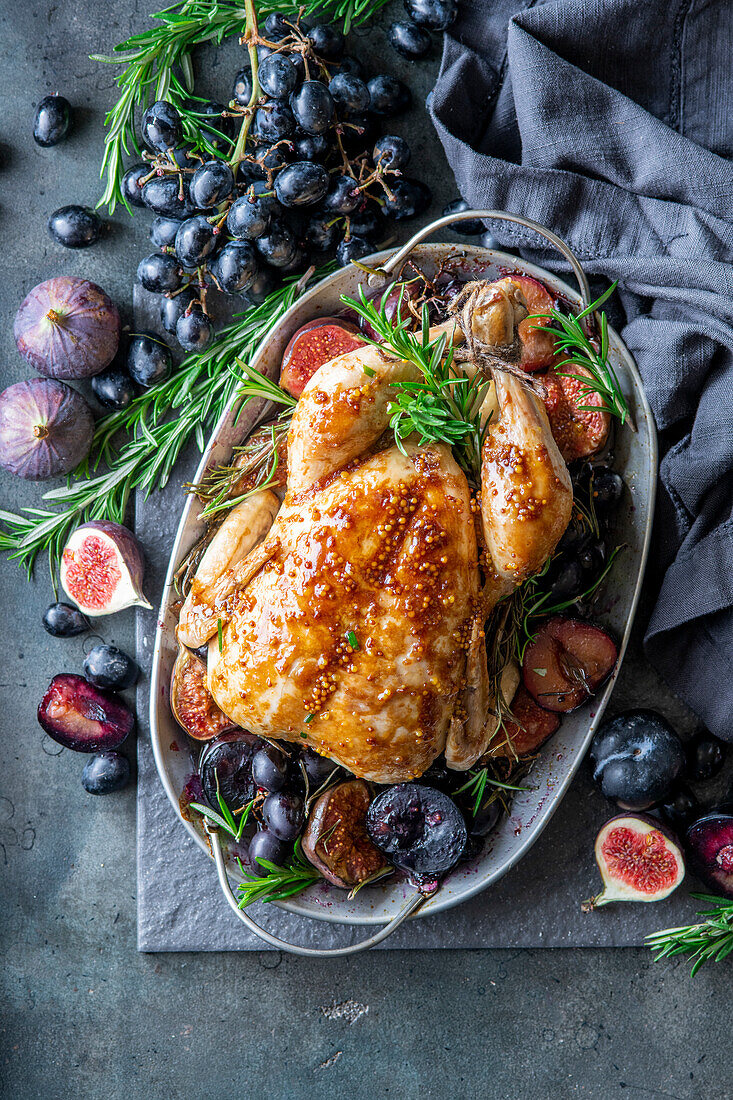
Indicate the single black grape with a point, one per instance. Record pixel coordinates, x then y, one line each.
263 284
148 359
167 196
355 248
195 241
366 223
278 245
327 41
705 758
163 231
172 308
389 96
270 769
52 123
301 184
159 273
194 330
317 768
343 195
214 117
211 184
249 171
310 146
272 157
185 157
322 232
75 226
409 40
351 65
350 94
284 815
242 90
485 819
277 26
392 152
410 198
608 487
130 185
265 845
489 241
434 15
105 773
472 227
273 121
248 219
312 107
161 127
235 266
106 666
297 263
113 388
680 808
359 132
278 76
64 621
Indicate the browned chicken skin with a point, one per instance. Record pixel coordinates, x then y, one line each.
379 548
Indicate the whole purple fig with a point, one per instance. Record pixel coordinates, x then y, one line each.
46 428
67 328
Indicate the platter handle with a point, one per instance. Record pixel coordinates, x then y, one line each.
412 903
394 261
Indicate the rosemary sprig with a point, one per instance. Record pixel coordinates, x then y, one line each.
256 465
279 882
710 940
226 819
478 780
197 393
445 406
157 64
579 350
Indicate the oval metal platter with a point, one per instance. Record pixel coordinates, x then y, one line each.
552 772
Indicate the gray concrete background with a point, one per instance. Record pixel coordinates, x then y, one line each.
82 1013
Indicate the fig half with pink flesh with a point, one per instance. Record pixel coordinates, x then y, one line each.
709 845
192 703
102 568
314 344
567 661
336 841
82 717
639 860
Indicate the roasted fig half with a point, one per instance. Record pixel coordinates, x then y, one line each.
336 841
192 703
528 729
538 347
316 343
578 420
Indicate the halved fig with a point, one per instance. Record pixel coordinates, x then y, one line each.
314 344
102 568
192 703
709 843
538 348
81 717
639 860
578 431
530 727
336 841
566 662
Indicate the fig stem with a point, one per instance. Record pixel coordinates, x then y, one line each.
40 431
591 904
55 317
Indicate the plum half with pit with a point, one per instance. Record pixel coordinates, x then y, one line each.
225 767
566 662
637 759
81 717
419 829
709 846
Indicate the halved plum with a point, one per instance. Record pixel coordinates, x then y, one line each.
336 841
82 717
529 728
538 347
314 344
709 844
566 662
578 431
419 829
192 703
228 760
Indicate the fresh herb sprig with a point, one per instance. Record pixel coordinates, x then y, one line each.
279 882
226 820
196 394
478 780
442 408
708 941
572 342
157 64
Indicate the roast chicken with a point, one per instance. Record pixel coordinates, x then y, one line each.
350 616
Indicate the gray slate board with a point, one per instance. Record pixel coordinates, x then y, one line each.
180 907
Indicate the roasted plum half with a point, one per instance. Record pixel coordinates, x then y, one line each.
527 730
225 767
637 759
418 828
81 717
567 661
336 841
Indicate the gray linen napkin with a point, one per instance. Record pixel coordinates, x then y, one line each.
610 121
